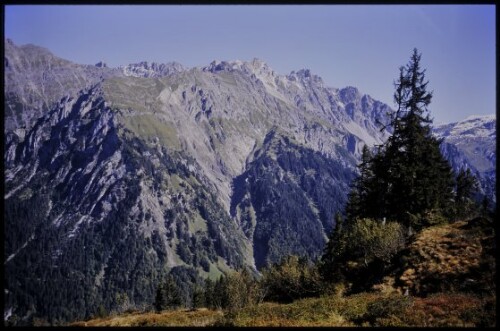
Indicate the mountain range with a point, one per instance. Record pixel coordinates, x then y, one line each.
115 177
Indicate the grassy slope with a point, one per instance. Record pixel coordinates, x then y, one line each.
452 257
365 309
200 317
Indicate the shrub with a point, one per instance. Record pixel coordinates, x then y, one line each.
291 279
239 286
354 307
167 295
447 309
387 311
370 240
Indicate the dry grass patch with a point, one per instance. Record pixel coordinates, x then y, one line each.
442 257
201 317
451 310
335 311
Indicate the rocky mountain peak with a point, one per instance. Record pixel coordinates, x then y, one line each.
256 67
349 94
36 79
147 69
101 64
305 76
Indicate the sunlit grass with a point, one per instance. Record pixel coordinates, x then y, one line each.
201 317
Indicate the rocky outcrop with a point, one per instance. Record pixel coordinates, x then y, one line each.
151 70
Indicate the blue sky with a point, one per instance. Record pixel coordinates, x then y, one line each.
360 46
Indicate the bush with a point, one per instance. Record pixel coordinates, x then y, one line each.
370 240
354 307
449 309
167 295
237 290
387 311
291 279
360 252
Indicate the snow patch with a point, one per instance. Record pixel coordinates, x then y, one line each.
474 126
7 314
22 247
57 220
72 233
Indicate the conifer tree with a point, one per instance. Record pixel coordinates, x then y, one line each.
160 302
198 299
220 295
408 175
167 295
209 293
360 195
405 180
466 186
419 177
333 257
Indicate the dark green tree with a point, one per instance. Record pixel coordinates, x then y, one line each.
407 182
209 291
160 300
361 198
408 175
167 295
220 293
333 259
467 185
418 177
198 299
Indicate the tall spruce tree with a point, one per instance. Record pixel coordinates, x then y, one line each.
167 295
360 198
405 180
419 177
408 175
466 186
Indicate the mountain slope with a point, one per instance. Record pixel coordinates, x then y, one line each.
287 198
93 214
471 143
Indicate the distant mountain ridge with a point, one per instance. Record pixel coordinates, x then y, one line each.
151 70
120 175
35 80
471 143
